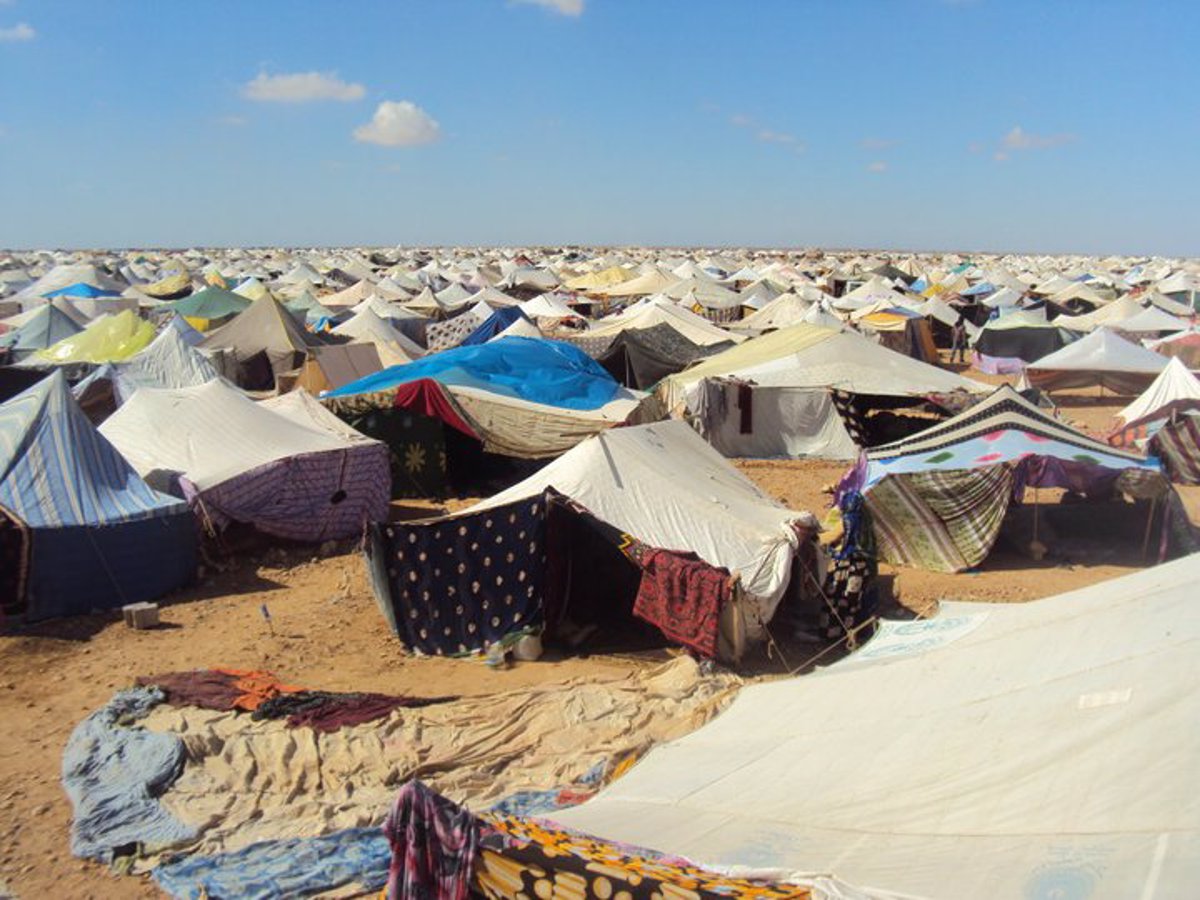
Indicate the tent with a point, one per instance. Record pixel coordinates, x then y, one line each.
1174 391
785 310
1047 750
79 530
107 339
263 342
367 325
461 582
328 368
168 362
1102 358
1185 345
657 311
520 397
42 327
493 325
1011 342
547 306
937 499
237 461
800 391
642 357
210 307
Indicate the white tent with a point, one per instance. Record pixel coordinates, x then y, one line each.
169 361
1175 389
367 326
666 486
659 311
210 433
791 373
1041 749
1102 358
548 306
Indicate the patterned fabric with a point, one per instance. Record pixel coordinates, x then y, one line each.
1178 445
595 347
681 595
461 584
434 843
311 497
530 858
943 521
451 333
416 449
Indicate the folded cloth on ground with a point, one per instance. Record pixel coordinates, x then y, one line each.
433 842
300 867
113 774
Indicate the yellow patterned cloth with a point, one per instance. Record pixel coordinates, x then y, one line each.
526 859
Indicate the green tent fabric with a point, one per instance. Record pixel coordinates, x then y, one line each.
211 303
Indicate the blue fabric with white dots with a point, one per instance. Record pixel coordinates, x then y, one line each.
459 585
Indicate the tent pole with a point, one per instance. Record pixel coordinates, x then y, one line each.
1149 522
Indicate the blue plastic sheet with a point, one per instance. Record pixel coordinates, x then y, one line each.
540 371
113 773
297 867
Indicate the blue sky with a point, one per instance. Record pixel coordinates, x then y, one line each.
909 124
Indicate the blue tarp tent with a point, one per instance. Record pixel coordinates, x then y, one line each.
79 529
82 289
538 371
493 325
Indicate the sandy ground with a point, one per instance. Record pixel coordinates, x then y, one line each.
326 632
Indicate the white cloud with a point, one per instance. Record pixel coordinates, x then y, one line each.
301 87
768 136
1020 139
872 143
877 166
22 31
572 8
740 121
399 124
232 121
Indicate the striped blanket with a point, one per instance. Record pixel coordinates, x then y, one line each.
1177 444
946 521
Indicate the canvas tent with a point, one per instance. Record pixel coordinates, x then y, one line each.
44 327
1047 751
1102 358
938 498
107 339
1174 391
79 530
520 397
657 486
778 395
642 357
1011 342
262 342
238 461
329 368
210 307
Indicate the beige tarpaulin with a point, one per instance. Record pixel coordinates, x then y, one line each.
248 781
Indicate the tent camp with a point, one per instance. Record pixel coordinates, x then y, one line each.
262 342
1174 391
1185 345
656 311
79 530
801 391
1047 751
629 503
329 368
1102 358
938 498
41 328
210 307
394 347
237 461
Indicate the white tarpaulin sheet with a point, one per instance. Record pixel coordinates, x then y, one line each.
1035 750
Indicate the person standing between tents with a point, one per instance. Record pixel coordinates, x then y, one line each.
958 340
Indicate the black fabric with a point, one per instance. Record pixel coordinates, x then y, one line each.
416 448
641 357
15 380
461 584
14 564
1029 344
